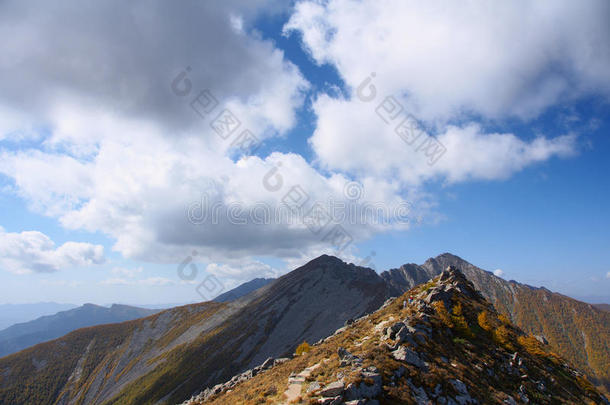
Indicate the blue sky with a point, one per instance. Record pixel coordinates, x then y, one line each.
101 161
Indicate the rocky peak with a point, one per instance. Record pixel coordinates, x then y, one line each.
450 282
452 276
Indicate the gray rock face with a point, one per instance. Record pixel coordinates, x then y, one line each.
405 335
406 277
410 275
408 356
364 389
313 386
333 389
464 397
419 394
311 303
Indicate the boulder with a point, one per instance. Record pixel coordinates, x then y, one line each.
419 394
333 389
370 387
405 335
408 356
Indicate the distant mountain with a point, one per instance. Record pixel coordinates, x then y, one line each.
445 346
22 335
243 289
168 356
578 331
11 314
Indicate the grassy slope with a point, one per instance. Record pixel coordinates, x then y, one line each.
577 330
44 370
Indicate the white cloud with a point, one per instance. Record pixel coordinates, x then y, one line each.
32 251
126 187
451 66
75 58
126 156
351 137
490 59
608 275
499 272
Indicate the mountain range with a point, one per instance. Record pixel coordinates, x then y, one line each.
11 314
171 355
22 335
440 342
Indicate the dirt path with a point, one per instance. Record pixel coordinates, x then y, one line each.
295 384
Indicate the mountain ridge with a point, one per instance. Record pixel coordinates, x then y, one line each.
576 329
447 345
169 356
243 289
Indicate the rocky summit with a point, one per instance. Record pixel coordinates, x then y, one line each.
441 342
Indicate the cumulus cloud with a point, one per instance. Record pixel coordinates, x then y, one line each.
448 67
352 136
32 251
77 59
121 149
499 272
125 195
453 58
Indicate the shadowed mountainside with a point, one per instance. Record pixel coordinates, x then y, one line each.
243 289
